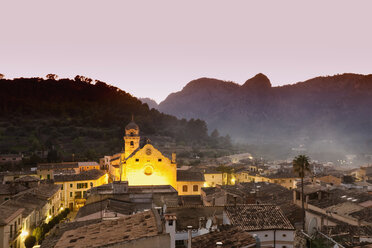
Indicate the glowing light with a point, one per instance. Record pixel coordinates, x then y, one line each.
233 180
205 184
61 208
24 233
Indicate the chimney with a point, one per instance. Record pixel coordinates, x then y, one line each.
219 244
189 236
173 157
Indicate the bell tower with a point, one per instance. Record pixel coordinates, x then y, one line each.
131 138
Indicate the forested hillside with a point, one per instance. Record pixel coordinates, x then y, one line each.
82 119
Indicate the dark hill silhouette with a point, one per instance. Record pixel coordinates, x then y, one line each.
334 109
83 118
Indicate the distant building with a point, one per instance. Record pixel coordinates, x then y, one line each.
84 166
213 177
11 158
48 170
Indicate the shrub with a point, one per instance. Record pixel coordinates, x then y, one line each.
30 241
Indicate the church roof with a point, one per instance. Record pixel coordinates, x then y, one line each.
132 125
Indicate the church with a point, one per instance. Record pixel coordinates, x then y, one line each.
142 166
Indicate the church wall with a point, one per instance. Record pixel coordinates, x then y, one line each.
149 167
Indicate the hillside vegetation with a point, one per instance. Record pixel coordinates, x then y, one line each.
83 120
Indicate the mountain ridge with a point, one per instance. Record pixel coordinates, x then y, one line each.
325 107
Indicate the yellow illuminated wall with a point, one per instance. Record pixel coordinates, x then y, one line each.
212 179
189 187
149 167
69 189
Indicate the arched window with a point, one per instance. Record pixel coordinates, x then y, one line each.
132 143
184 188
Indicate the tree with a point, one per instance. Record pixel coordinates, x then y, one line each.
1 76
215 134
301 165
52 76
30 241
226 170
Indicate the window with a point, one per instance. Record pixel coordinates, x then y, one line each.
212 176
131 143
70 185
266 235
184 188
170 222
70 194
284 246
62 187
195 188
284 235
180 243
82 185
137 160
159 160
78 195
48 177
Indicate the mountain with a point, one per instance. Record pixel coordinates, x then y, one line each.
332 112
150 102
84 119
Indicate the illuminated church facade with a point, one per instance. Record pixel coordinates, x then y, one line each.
142 166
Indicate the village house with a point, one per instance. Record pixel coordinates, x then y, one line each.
11 158
84 166
267 222
75 186
333 206
189 183
48 170
10 226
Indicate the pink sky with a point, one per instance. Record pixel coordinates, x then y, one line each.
153 48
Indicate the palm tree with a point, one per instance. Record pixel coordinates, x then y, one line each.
301 165
226 170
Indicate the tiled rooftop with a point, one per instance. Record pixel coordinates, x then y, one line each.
107 232
252 217
188 176
8 213
9 189
112 205
88 164
231 237
190 215
337 196
83 176
52 166
27 179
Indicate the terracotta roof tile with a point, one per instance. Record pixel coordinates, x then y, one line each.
258 217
